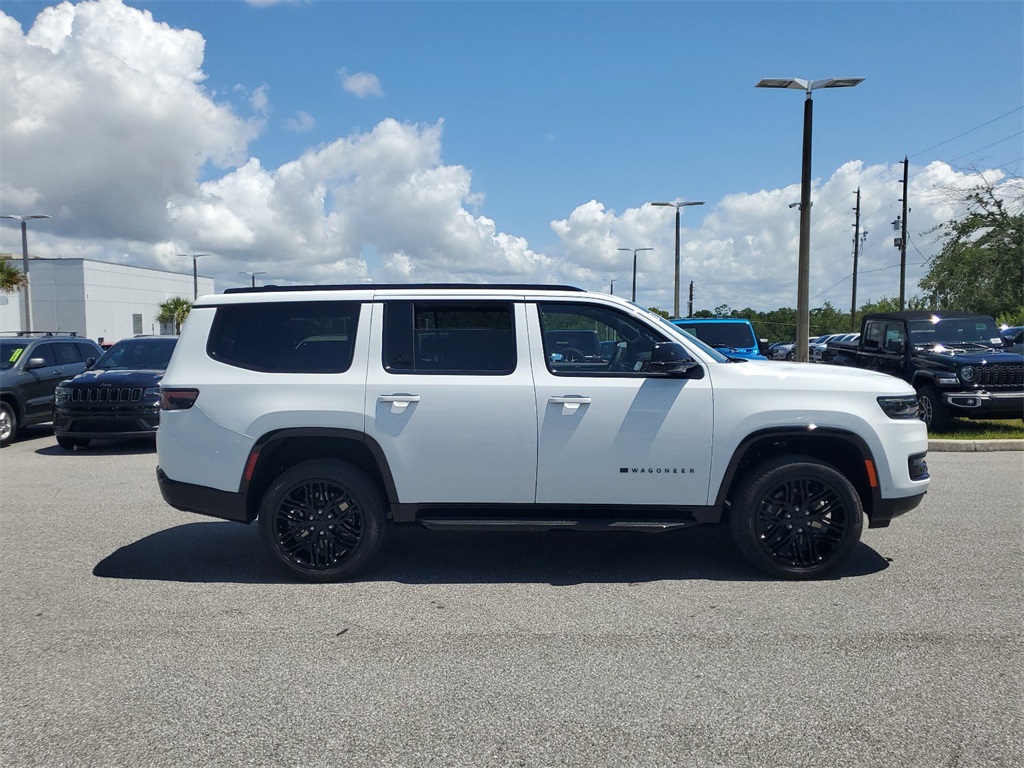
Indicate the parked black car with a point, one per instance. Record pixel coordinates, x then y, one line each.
118 397
32 364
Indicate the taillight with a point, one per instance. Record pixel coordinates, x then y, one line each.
177 399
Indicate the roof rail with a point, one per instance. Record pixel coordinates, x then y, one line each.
38 333
410 286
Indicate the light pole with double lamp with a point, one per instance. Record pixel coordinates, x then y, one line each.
677 204
635 251
253 276
27 309
195 272
803 272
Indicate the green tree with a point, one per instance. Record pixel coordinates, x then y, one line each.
174 311
981 265
11 278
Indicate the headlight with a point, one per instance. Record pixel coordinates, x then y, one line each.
60 396
151 392
967 373
901 407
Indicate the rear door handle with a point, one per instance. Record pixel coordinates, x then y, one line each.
398 402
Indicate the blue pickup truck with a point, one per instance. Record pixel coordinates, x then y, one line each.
733 337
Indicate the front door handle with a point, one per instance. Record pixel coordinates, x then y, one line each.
570 403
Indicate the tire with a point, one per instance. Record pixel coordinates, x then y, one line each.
819 538
934 412
791 355
8 424
323 520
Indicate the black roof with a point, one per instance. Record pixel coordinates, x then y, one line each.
408 286
942 314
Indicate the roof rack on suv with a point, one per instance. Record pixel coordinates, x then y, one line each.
38 333
405 286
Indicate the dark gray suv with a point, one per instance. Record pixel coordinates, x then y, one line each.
32 364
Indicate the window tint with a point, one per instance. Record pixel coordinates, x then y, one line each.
45 351
66 353
587 339
468 337
290 337
138 355
87 351
732 335
10 353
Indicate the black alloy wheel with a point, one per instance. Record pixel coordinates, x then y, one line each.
322 519
796 517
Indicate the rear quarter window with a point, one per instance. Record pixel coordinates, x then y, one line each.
289 337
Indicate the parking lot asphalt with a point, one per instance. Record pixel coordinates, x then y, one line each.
136 635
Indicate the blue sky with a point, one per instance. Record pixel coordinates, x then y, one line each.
518 115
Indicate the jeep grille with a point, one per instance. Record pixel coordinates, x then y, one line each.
105 394
999 375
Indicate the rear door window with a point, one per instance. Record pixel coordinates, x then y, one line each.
449 337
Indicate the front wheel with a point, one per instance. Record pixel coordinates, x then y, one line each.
322 520
795 517
8 424
934 413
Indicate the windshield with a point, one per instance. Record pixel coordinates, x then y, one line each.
734 335
10 353
954 330
137 355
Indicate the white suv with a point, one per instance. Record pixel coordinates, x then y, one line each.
328 412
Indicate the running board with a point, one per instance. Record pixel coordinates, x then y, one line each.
589 524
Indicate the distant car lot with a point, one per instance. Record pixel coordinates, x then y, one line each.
135 634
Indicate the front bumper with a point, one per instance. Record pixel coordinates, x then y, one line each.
94 423
985 404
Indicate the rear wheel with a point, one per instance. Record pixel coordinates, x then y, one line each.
8 424
796 517
322 520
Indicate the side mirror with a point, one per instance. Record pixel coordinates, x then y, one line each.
670 358
34 362
89 362
762 346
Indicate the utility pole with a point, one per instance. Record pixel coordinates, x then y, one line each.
903 237
856 253
689 304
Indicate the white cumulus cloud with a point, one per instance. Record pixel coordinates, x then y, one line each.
361 84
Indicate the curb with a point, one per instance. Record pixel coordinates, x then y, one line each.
974 446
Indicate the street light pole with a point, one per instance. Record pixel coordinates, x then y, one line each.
803 314
195 272
611 290
677 204
27 310
253 276
635 250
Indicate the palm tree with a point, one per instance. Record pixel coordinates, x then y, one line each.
11 278
174 311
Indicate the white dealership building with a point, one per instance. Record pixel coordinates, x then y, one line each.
96 299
